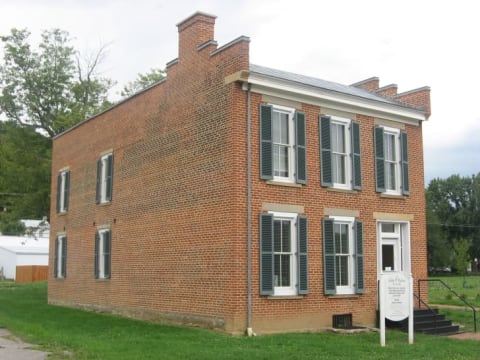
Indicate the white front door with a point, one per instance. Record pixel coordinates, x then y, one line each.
394 247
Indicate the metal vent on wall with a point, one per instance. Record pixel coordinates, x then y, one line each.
343 321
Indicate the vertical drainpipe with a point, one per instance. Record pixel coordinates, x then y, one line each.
249 215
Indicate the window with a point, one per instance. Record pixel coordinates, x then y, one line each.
102 254
104 179
283 144
391 161
343 256
283 254
63 189
340 153
60 261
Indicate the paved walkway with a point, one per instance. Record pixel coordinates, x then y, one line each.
12 348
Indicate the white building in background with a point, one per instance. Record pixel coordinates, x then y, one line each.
29 249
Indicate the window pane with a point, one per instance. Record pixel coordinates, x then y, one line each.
390 153
277 235
388 228
388 262
276 127
286 246
285 271
338 138
342 270
338 168
280 160
391 176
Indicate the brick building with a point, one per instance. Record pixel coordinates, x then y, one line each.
235 196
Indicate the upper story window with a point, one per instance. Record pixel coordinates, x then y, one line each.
340 153
60 262
63 190
391 161
102 254
343 256
283 259
104 179
282 144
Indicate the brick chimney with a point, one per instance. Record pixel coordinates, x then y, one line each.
370 84
418 98
195 30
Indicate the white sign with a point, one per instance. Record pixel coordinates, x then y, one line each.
396 303
396 296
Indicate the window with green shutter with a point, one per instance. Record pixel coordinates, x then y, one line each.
282 144
340 153
60 260
283 254
104 188
102 266
343 256
63 190
391 161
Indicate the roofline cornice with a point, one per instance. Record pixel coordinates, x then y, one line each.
327 98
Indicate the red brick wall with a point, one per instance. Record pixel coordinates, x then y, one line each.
178 214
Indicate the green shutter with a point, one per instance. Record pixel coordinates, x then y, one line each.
59 191
266 142
356 157
95 267
99 181
107 247
109 178
379 160
359 266
266 254
64 257
66 190
302 237
329 257
301 143
404 160
55 261
325 151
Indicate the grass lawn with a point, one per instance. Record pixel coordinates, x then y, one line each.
86 335
467 288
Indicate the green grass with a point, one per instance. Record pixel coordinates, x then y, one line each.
86 335
438 294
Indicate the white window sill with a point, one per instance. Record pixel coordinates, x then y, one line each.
281 183
392 196
340 190
285 297
344 296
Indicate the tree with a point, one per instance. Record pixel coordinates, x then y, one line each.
461 258
25 158
143 81
42 93
453 212
49 90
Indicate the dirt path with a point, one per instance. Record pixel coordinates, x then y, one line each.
12 348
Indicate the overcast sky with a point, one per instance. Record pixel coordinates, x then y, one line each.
411 43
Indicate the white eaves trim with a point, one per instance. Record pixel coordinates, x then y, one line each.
332 99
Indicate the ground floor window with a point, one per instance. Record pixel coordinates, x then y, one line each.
343 255
283 258
60 262
102 254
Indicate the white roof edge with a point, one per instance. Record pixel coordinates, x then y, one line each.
325 97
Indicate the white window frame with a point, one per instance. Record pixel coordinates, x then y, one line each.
293 288
101 253
60 242
347 138
103 178
349 221
63 184
400 239
290 112
397 190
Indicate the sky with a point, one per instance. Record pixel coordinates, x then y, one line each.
411 43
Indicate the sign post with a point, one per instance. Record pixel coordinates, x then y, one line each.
396 303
